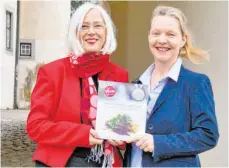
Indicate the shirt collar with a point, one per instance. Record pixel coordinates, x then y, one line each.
146 76
173 72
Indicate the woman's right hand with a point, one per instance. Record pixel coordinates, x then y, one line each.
94 138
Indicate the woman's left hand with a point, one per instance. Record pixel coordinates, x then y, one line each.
144 142
115 142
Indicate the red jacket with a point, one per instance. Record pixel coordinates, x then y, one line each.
54 118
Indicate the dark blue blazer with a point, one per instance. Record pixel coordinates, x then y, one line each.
182 122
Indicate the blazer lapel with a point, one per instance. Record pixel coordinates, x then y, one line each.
70 99
137 81
169 88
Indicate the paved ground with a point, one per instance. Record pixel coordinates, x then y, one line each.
16 148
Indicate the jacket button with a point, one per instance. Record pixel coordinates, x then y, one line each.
150 126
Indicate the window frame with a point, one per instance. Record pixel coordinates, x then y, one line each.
9 25
25 49
31 54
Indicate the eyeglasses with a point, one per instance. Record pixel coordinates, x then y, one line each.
96 27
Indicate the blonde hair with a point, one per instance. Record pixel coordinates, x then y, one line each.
76 21
193 54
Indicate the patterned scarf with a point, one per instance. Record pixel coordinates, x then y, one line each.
88 65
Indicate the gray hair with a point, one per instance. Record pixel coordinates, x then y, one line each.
73 42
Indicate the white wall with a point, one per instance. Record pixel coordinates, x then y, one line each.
7 61
209 23
45 22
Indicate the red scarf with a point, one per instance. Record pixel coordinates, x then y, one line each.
88 65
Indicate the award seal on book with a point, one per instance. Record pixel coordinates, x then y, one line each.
138 94
110 91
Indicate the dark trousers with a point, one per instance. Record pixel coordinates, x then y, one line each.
74 161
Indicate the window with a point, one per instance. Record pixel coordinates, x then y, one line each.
25 49
8 30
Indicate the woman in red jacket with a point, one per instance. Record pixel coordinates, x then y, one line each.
63 102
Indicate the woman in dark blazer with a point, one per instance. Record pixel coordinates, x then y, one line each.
63 103
181 121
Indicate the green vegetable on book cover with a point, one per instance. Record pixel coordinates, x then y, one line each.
122 124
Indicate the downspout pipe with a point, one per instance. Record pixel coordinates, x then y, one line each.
15 105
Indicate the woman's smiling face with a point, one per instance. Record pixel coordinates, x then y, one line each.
165 38
92 34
